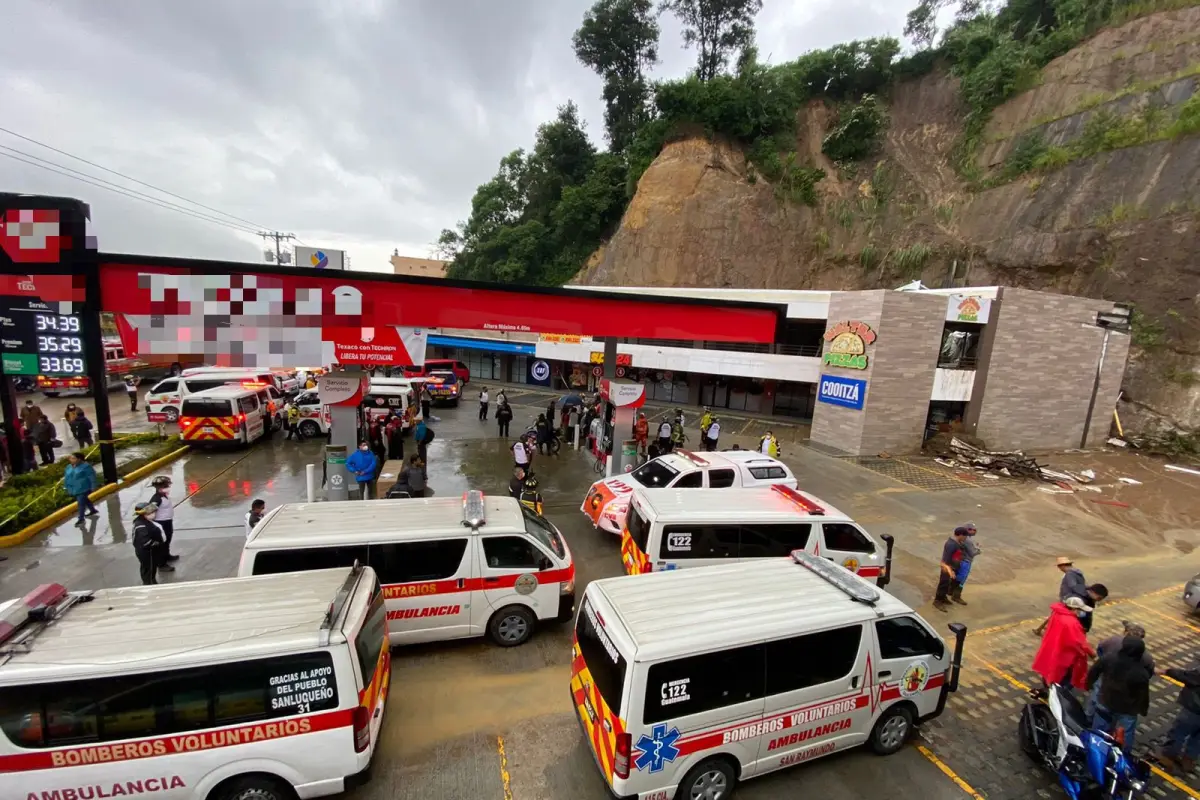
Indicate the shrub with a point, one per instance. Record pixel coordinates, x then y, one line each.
910 261
857 132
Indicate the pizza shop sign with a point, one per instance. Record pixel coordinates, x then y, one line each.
848 343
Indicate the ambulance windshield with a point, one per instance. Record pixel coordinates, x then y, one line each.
539 529
654 474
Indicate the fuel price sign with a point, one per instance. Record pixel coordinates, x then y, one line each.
36 339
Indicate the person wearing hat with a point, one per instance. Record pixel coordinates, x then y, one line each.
165 517
147 540
970 550
531 498
952 556
1109 646
1073 585
1062 657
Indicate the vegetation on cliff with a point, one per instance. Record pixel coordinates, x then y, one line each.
546 211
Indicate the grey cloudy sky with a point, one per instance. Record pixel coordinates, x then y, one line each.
359 124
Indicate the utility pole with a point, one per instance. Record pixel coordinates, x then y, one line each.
279 238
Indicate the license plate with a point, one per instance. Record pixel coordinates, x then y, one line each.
209 429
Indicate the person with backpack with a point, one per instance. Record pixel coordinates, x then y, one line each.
46 437
81 428
147 540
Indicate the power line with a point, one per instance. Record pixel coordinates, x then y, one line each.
112 187
135 180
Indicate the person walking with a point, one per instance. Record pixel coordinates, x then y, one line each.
664 437
46 436
516 484
1124 690
361 464
483 404
79 480
293 422
1182 747
147 540
970 550
1107 647
504 416
952 556
81 428
641 431
255 515
426 402
712 433
165 517
414 476
69 414
1064 652
131 384
1073 584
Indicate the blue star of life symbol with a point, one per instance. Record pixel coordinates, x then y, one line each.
657 749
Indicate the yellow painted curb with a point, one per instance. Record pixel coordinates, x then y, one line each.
29 531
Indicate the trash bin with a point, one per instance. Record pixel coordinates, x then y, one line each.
337 479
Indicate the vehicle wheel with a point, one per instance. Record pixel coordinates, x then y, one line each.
172 414
254 787
278 423
892 730
709 780
310 429
511 626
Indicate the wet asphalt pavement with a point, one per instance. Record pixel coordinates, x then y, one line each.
468 719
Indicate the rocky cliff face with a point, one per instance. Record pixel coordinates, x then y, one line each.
1120 225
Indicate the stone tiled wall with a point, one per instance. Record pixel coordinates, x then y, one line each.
834 426
1038 366
906 355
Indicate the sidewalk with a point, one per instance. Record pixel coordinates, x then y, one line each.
736 425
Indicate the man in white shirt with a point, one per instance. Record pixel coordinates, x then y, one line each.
483 404
664 437
165 517
712 434
520 454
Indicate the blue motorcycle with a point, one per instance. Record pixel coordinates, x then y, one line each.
1089 763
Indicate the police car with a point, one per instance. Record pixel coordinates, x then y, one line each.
444 387
607 500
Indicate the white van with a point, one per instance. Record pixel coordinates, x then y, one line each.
450 568
164 399
687 682
314 416
278 380
672 529
607 501
224 415
267 688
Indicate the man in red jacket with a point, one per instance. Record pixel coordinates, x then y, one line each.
1063 655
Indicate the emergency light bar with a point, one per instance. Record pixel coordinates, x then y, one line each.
339 603
19 623
474 514
853 586
692 457
799 500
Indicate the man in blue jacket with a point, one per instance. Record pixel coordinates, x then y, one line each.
80 480
362 464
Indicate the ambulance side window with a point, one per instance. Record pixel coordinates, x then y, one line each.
511 552
692 480
699 541
766 540
697 684
792 665
843 536
164 387
904 637
720 478
417 561
272 562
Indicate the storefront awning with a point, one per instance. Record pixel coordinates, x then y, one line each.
490 345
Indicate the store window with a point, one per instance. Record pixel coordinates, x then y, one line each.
667 386
795 399
484 365
746 394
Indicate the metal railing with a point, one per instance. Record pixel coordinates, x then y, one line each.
958 363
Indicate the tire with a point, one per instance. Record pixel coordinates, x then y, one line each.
254 787
713 779
172 414
511 626
310 429
892 730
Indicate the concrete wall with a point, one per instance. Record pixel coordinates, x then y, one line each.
834 426
1037 365
910 335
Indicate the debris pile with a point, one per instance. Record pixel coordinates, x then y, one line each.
1011 464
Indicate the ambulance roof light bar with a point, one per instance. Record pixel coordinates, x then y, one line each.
692 457
799 500
26 618
474 514
854 587
339 602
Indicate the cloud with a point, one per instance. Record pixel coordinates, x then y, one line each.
364 125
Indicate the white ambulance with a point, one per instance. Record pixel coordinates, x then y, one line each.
236 689
607 500
687 682
450 568
314 416
672 529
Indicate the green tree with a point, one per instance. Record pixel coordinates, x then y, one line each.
719 28
619 40
921 25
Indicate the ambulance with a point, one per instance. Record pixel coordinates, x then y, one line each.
607 501
229 414
451 568
668 529
686 683
267 688
165 398
314 416
385 395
